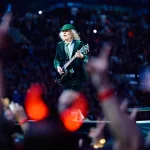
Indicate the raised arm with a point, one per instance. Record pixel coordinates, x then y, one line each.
125 130
4 26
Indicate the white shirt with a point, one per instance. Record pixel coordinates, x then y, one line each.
70 47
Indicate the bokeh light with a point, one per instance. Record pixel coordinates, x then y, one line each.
71 21
96 146
94 31
102 141
72 117
40 12
35 107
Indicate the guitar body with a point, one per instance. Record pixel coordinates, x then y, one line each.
63 78
60 79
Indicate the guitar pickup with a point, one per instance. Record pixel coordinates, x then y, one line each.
71 70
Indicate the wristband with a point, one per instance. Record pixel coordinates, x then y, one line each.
105 95
23 121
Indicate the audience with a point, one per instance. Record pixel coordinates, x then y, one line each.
120 124
30 59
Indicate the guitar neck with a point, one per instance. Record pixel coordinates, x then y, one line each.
69 62
72 59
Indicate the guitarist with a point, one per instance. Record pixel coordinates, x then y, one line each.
66 49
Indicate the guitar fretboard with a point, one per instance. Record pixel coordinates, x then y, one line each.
69 62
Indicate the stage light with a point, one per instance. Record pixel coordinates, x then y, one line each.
95 31
40 12
102 141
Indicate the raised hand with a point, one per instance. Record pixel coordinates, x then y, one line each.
96 133
123 108
59 69
4 26
98 67
79 55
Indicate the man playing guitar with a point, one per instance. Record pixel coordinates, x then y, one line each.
66 49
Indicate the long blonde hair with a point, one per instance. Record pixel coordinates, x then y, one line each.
75 35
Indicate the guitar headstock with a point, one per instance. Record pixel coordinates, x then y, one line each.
85 49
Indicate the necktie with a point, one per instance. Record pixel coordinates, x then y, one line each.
67 50
68 54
